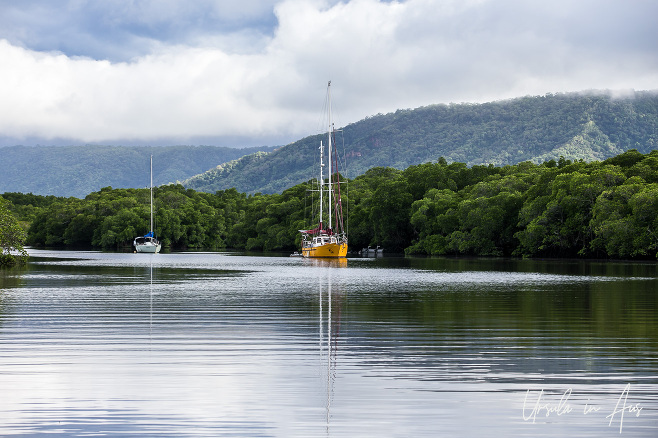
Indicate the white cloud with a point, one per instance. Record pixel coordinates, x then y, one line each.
380 55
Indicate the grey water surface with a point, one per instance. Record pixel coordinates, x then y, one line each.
229 344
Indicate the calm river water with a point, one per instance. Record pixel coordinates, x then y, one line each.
221 344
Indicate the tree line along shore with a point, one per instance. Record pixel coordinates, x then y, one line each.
560 208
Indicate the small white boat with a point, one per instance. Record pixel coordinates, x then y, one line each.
148 243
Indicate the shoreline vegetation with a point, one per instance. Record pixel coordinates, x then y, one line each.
558 209
12 237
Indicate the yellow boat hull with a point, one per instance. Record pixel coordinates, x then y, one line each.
328 250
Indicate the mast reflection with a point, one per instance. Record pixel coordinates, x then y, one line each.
329 330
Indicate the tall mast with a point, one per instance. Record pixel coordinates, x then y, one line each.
329 149
321 182
151 230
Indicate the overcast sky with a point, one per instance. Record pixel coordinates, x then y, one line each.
254 72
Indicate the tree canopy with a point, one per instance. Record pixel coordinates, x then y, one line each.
563 208
12 236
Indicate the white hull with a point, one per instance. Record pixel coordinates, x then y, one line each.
148 248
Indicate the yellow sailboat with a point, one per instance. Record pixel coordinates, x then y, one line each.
328 241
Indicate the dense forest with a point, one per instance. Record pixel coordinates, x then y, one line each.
560 208
576 126
79 170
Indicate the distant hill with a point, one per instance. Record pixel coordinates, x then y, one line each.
80 170
589 126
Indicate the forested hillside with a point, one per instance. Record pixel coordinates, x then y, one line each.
79 170
587 126
555 209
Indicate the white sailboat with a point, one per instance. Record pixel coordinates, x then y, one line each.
328 241
148 243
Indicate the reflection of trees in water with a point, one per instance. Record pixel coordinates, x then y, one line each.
10 278
492 333
576 310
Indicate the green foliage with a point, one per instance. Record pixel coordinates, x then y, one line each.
12 237
559 208
625 220
112 218
600 209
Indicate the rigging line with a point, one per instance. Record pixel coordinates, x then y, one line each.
343 166
314 186
336 187
347 185
339 204
306 195
321 124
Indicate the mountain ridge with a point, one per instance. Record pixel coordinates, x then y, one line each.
79 170
588 125
591 126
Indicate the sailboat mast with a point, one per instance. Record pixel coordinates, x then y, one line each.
329 149
321 182
151 229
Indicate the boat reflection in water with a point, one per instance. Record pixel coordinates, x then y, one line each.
326 262
329 331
